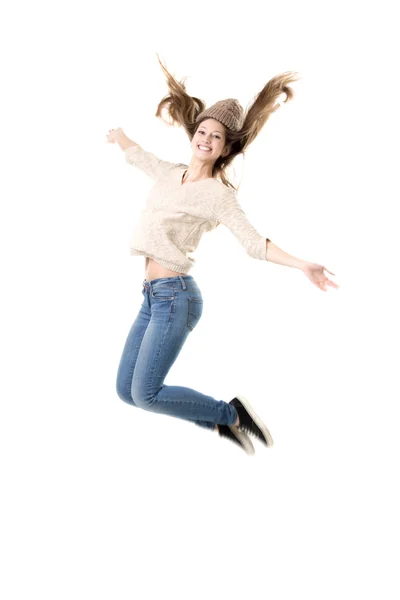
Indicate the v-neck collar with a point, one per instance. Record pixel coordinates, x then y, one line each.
181 183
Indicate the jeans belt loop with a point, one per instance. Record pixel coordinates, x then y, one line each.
182 282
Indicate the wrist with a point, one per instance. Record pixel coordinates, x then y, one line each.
301 264
124 142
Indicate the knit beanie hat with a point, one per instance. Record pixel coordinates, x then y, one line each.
228 112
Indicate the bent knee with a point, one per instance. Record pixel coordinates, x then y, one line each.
124 395
142 400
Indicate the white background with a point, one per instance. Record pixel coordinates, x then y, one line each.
102 500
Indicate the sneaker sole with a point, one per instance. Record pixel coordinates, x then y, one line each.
243 439
256 419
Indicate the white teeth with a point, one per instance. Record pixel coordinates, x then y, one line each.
204 148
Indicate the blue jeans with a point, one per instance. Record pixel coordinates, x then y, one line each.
171 309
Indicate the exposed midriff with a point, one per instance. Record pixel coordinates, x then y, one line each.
154 271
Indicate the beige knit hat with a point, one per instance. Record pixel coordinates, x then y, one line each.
228 112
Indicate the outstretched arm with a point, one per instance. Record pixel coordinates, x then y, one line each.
313 271
137 156
278 256
119 137
124 142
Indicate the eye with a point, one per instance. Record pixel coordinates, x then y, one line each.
217 136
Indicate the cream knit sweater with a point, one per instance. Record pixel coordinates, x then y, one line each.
176 215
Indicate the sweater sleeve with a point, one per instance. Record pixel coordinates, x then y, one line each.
153 166
228 211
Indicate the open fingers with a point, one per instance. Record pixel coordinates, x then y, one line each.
332 283
323 283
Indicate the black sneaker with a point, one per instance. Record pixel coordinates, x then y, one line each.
250 422
236 436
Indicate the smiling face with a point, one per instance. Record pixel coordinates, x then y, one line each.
210 134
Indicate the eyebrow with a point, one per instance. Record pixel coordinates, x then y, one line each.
215 130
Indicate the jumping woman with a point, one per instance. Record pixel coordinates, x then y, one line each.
184 202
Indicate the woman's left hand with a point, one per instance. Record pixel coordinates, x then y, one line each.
316 275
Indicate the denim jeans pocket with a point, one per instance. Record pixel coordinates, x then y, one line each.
195 310
163 292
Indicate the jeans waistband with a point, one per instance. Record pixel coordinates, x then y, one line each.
180 280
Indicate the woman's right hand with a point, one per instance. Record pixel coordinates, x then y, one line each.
114 135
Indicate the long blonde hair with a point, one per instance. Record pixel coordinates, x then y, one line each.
183 110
